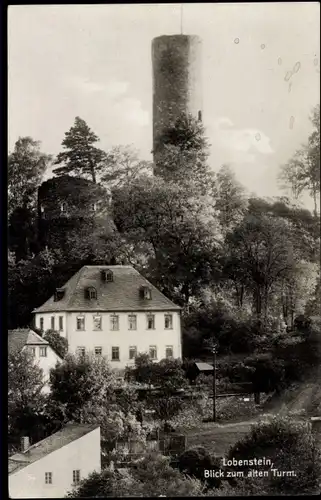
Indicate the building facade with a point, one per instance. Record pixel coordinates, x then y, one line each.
44 356
52 467
114 312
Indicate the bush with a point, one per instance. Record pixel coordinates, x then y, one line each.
194 461
291 447
151 476
58 343
268 374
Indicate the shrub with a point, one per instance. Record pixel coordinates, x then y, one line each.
268 374
58 343
194 461
291 447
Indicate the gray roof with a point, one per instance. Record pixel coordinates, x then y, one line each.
122 294
70 433
204 367
17 339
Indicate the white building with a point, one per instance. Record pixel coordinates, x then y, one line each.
44 356
115 312
53 466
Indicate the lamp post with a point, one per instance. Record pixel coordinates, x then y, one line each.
214 382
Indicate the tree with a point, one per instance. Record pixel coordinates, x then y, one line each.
181 154
177 227
291 446
25 396
121 166
151 476
58 343
26 166
260 254
80 157
302 172
81 380
22 233
230 198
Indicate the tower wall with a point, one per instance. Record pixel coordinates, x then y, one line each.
177 80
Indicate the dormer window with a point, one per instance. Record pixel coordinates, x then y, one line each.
59 294
107 275
63 207
91 293
145 293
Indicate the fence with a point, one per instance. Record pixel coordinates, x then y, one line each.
169 445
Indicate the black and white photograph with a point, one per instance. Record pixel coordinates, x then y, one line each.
163 229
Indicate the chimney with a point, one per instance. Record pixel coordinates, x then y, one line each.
25 444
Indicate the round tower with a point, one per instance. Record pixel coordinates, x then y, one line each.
177 80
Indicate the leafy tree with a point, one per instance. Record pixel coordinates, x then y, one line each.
292 447
80 157
230 198
268 373
121 166
25 396
80 380
302 172
260 254
151 476
22 233
181 154
178 229
26 166
58 343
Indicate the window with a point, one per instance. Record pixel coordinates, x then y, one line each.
80 322
145 293
132 352
109 276
115 353
76 476
169 351
61 323
32 351
81 351
106 275
91 293
168 321
43 352
132 322
48 477
114 322
97 322
63 207
98 351
150 321
52 322
199 116
41 324
153 351
59 294
42 209
94 207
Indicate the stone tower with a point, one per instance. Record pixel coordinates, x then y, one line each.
177 80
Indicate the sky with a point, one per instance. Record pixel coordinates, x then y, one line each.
260 71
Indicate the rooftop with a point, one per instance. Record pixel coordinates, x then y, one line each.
17 339
204 367
121 294
70 433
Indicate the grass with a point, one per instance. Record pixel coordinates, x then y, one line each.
215 438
